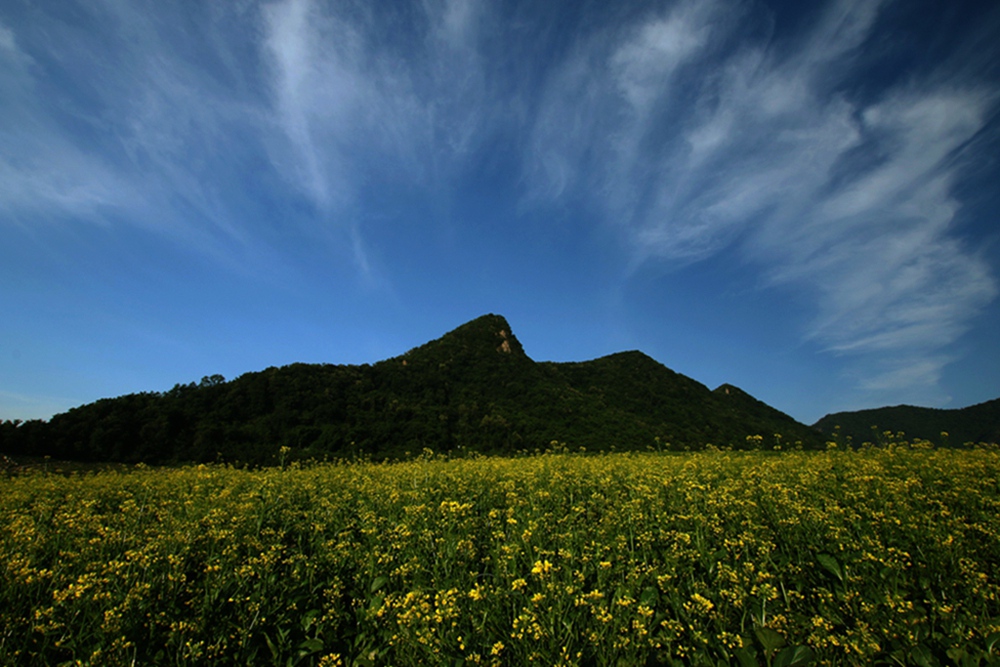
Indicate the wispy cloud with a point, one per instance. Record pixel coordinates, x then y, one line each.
361 103
24 407
846 199
110 120
321 93
357 102
682 129
42 170
180 121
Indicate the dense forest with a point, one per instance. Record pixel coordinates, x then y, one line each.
974 424
473 389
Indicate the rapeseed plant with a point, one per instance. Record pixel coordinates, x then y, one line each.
840 557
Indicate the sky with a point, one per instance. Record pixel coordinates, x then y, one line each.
797 198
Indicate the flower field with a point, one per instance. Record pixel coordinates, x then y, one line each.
877 556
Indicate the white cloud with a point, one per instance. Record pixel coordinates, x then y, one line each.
909 378
141 119
843 26
354 106
848 201
678 128
168 116
878 250
7 41
321 94
456 22
642 67
42 170
132 138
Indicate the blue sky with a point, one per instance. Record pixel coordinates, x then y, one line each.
796 198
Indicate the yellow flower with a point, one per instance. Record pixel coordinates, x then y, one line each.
699 604
541 568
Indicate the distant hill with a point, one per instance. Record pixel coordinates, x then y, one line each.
976 423
473 389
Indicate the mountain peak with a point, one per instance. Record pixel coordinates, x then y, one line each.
490 330
473 387
730 390
488 335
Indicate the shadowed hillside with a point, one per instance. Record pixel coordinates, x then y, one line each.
473 389
974 424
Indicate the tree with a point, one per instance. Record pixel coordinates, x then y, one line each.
212 380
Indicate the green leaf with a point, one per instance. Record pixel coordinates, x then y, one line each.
270 645
992 641
309 618
745 658
793 656
650 596
379 583
957 655
922 656
769 639
831 565
314 645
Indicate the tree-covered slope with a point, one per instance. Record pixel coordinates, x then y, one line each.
976 423
760 417
474 389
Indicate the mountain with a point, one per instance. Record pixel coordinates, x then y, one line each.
473 389
974 424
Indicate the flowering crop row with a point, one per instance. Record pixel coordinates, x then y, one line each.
885 556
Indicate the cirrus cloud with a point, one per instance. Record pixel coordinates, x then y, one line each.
846 198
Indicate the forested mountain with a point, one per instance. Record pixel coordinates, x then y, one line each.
974 424
473 389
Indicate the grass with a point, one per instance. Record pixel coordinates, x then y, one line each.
878 556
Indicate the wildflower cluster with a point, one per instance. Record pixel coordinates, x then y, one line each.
839 557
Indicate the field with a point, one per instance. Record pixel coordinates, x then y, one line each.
877 556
